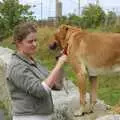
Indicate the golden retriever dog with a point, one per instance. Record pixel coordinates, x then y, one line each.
89 53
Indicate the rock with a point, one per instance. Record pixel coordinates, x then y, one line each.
66 101
67 104
2 115
109 117
5 55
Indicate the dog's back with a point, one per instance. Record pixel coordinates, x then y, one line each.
100 51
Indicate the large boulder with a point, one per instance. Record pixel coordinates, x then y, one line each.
66 104
5 103
66 100
5 55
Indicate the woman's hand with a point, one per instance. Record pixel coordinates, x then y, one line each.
55 73
62 59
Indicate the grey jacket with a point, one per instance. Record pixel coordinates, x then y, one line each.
28 95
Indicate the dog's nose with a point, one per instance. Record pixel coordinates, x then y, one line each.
53 46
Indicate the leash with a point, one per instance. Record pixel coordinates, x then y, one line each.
65 49
65 84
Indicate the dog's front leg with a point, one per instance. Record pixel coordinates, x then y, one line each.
81 82
82 86
82 91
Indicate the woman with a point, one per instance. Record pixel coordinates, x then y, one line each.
28 81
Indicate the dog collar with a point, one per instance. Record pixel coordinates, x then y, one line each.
65 50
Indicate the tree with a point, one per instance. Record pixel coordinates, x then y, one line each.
74 19
11 13
93 15
63 20
111 18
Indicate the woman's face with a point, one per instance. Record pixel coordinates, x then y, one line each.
28 45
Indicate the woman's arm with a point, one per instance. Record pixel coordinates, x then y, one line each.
53 77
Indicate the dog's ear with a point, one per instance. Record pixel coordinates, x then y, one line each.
65 27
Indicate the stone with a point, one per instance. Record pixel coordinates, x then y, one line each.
2 116
109 117
66 104
66 100
5 54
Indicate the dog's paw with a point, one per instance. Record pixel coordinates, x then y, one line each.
80 112
84 109
91 107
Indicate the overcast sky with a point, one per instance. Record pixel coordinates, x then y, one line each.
69 6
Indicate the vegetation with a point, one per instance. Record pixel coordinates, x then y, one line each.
93 16
11 13
4 107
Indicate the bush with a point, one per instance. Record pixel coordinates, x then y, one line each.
12 13
93 16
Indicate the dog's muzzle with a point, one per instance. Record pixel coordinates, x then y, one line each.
53 46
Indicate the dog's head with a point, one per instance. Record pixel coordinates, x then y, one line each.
59 37
62 36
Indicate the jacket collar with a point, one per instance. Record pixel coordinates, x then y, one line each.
24 58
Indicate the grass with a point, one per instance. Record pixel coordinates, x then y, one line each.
109 89
4 108
109 86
